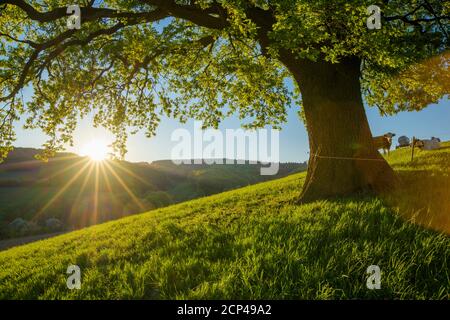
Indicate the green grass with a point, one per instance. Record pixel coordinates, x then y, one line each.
254 243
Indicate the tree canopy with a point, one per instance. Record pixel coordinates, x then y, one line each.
132 61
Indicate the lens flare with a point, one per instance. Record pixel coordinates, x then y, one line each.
96 150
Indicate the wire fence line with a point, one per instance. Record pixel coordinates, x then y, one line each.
317 155
348 158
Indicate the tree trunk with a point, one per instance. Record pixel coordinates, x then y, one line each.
343 159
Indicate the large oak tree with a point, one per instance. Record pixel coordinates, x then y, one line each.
133 61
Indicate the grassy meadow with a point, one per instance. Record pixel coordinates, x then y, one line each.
256 243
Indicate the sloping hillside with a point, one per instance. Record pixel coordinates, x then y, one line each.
256 243
80 193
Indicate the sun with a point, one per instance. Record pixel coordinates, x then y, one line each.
96 150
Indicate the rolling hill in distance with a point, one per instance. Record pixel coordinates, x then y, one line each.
78 192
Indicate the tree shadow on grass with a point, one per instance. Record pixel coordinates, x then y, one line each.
423 198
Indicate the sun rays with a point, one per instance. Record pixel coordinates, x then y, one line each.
124 185
92 187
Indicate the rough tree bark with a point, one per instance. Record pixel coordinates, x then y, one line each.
343 159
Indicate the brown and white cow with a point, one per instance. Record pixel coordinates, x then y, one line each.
384 142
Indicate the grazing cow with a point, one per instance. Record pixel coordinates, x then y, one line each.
428 144
418 144
384 142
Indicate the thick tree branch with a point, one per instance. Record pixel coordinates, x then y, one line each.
87 13
203 17
264 20
165 8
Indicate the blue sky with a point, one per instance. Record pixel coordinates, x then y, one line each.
431 121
